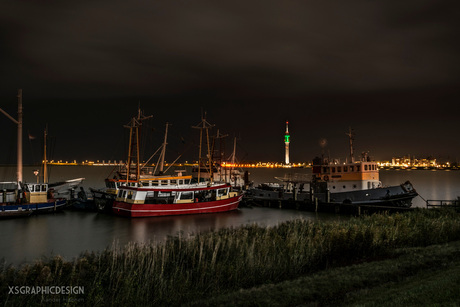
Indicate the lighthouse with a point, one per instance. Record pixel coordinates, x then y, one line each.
286 143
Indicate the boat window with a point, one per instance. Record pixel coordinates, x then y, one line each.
333 186
181 181
339 168
44 188
354 186
124 194
186 195
130 195
222 192
345 168
365 167
358 168
344 187
164 194
37 188
173 181
333 169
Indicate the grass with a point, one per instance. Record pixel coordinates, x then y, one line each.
218 263
412 277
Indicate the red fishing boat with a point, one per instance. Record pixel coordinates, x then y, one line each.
173 195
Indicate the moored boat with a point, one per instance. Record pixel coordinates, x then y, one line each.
356 182
26 199
175 196
22 199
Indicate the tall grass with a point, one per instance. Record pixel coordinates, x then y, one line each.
180 270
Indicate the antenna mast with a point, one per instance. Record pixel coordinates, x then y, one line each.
351 136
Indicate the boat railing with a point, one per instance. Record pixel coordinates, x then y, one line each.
436 203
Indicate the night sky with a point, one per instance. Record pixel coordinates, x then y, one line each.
388 69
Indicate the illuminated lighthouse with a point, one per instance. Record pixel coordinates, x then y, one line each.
286 143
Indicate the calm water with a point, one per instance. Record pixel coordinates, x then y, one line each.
70 233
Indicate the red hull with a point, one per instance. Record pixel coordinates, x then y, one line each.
144 210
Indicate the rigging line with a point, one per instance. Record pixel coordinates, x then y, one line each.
426 201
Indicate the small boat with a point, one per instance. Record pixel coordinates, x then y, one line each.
25 199
177 195
22 199
290 188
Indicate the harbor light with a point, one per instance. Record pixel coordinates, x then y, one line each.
36 174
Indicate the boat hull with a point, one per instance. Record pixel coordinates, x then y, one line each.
9 210
149 210
103 201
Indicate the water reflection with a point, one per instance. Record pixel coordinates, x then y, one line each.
70 233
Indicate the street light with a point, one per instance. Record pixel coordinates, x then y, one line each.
36 174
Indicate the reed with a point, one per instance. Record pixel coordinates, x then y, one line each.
211 263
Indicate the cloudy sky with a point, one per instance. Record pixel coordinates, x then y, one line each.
388 69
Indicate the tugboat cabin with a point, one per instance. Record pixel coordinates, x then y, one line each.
360 175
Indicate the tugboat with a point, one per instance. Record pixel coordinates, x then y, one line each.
356 182
334 185
177 195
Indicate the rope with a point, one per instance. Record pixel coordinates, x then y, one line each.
423 199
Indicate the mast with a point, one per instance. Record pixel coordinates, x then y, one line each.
203 125
19 123
163 150
133 167
351 135
233 158
19 135
45 169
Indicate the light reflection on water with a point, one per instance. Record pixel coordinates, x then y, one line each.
71 233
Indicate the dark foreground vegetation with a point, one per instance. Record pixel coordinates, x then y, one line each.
382 259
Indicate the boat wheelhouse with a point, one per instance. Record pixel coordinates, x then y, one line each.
360 175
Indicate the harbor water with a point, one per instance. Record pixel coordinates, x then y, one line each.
70 233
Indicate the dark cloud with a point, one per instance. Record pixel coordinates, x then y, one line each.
380 66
